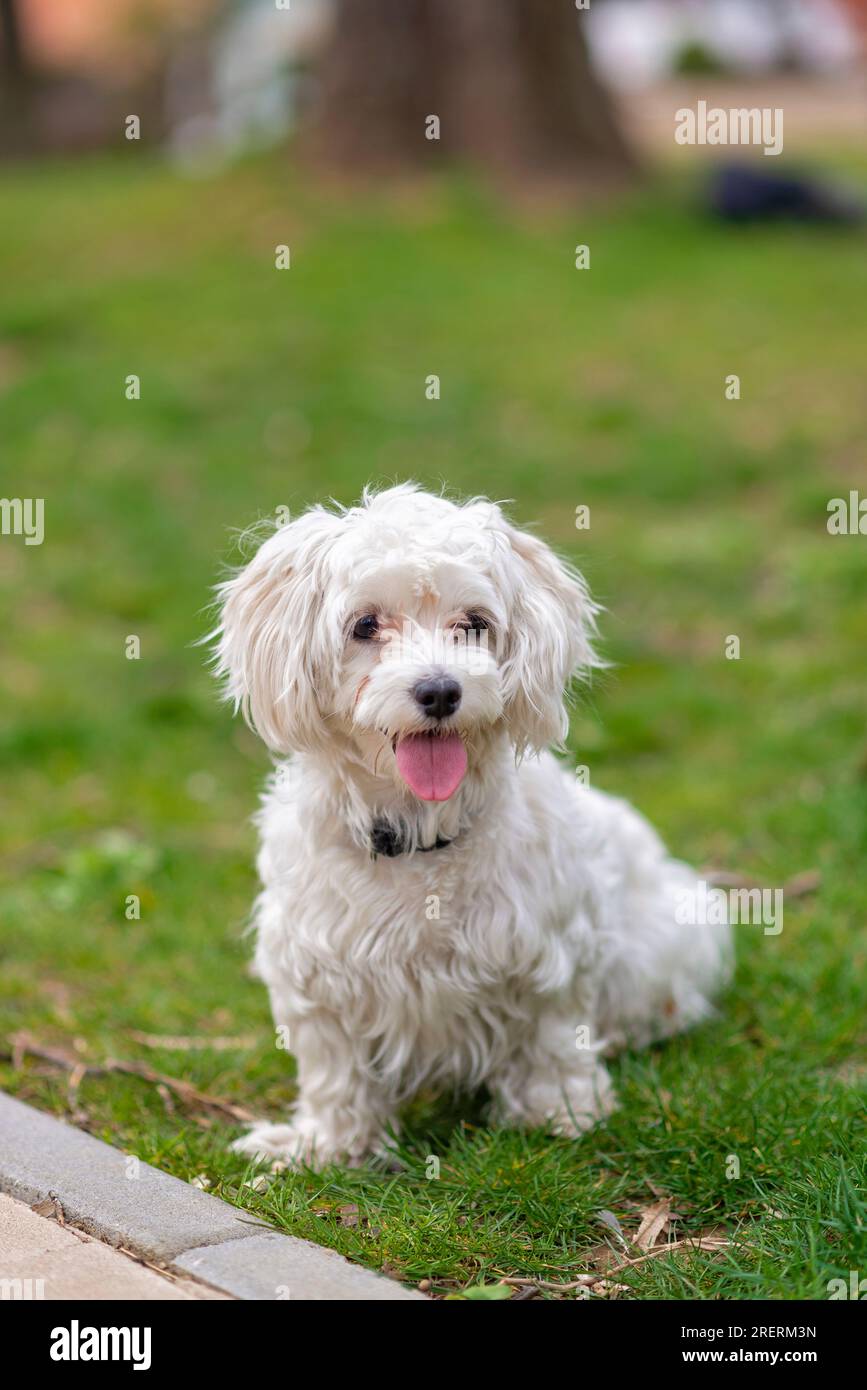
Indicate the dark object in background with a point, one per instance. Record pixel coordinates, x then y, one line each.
512 82
743 193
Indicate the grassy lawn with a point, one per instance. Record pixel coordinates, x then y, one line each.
559 387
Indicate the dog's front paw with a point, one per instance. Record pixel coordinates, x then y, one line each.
574 1118
266 1142
303 1145
568 1105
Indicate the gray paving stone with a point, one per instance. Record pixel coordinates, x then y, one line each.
274 1266
39 1259
115 1197
123 1201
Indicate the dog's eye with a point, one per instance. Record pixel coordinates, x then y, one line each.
475 623
366 627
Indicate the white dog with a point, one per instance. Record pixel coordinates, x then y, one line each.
442 901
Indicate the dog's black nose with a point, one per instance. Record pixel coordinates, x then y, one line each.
438 696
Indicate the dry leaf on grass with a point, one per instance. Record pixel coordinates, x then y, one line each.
260 1183
601 1258
655 1221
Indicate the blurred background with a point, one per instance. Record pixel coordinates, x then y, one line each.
304 126
213 79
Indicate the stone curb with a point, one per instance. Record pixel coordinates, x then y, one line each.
124 1201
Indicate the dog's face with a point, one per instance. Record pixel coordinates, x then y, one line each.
400 632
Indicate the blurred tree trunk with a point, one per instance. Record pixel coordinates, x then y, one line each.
11 53
510 81
16 82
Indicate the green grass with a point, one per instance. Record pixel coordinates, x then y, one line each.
559 387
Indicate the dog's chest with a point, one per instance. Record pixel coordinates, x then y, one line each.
427 937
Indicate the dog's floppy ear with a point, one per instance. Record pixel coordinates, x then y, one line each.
549 641
271 646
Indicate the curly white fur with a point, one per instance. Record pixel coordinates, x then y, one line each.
544 934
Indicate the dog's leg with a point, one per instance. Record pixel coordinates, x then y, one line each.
554 1081
341 1115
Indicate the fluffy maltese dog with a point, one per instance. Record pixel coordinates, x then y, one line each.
443 902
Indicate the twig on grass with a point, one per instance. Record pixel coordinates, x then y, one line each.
24 1045
709 1243
800 885
583 1281
172 1042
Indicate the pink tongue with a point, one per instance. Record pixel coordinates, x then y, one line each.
432 767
